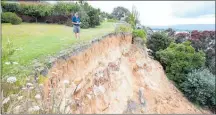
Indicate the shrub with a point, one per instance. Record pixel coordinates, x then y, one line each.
9 17
91 14
139 33
180 59
5 17
84 18
16 20
199 87
211 65
158 41
85 22
123 28
94 19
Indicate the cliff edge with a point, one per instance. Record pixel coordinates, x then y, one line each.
113 75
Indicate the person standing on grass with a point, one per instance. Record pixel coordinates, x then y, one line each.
76 25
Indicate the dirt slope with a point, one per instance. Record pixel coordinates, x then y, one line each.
115 76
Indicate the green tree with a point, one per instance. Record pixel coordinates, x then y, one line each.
10 7
170 32
84 18
65 8
93 14
35 10
106 15
199 87
158 41
205 40
94 17
133 17
180 59
120 12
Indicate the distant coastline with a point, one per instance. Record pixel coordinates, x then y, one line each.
186 27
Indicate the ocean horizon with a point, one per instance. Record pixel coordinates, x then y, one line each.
186 27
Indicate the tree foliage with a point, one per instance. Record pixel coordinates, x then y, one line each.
158 41
12 7
65 8
9 17
84 18
59 12
180 59
94 19
90 15
120 12
139 33
133 17
170 32
181 37
106 15
205 40
35 10
199 87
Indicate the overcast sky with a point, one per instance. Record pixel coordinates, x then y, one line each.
166 12
161 13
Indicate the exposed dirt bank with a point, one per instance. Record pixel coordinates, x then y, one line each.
115 76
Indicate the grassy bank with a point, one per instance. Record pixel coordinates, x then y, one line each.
40 40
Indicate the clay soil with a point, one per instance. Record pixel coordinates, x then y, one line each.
114 76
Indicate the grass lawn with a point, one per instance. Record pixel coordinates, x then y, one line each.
40 40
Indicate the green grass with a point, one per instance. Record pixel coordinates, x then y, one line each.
38 40
41 40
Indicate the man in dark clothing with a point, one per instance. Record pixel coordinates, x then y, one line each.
76 25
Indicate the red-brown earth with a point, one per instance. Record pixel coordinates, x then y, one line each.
115 76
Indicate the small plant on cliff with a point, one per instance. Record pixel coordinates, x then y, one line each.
123 28
139 33
199 87
179 60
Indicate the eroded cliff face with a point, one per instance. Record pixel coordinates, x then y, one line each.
114 76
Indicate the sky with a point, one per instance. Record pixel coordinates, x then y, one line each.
165 13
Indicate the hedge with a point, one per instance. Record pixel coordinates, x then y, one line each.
9 17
